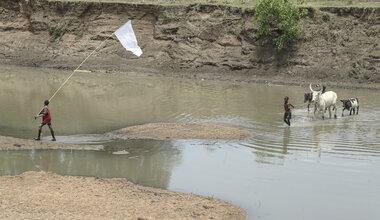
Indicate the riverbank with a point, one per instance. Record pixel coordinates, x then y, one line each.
339 45
50 196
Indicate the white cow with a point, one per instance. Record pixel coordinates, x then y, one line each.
324 101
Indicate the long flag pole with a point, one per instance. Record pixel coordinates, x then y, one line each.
127 38
55 93
77 68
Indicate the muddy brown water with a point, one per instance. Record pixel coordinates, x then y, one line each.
315 169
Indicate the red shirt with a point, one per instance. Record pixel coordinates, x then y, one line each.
47 117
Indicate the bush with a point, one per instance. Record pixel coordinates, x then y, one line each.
278 21
57 31
79 32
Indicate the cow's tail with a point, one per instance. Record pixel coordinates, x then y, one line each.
357 100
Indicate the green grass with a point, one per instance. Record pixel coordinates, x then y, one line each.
345 3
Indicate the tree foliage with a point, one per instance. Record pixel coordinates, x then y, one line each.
279 21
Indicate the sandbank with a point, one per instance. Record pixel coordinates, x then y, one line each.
180 131
43 195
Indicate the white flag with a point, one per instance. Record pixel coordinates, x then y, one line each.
127 38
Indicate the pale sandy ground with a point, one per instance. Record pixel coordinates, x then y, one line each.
42 195
180 131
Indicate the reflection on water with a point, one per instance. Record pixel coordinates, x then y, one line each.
285 139
315 169
150 164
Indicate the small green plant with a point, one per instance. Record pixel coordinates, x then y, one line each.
143 46
57 31
234 29
217 13
278 21
355 69
206 45
212 19
192 11
79 32
184 32
172 15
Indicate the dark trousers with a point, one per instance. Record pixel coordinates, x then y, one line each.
50 127
287 117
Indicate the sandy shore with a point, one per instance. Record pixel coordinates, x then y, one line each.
10 143
42 195
180 131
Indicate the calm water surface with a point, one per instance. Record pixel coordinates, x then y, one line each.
314 169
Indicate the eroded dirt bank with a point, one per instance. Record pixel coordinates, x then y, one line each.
339 46
41 195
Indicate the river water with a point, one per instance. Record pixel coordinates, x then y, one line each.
315 169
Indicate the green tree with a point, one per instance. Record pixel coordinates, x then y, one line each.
279 21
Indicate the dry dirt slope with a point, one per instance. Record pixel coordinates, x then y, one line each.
338 45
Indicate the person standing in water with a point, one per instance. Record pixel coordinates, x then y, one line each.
288 113
46 119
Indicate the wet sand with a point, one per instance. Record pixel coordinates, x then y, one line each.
10 143
180 131
42 195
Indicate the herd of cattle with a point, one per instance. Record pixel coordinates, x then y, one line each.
325 100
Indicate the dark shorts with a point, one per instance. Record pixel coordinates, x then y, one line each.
288 115
43 124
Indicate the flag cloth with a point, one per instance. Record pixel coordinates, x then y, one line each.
127 38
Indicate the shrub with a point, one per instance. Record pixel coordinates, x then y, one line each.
278 21
79 32
217 13
57 31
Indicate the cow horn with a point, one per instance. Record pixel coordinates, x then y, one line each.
311 89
